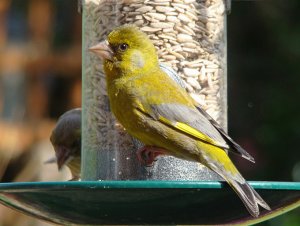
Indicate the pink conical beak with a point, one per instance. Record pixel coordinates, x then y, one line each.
102 50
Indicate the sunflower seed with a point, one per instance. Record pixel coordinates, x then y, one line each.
144 9
184 37
173 19
158 16
184 18
164 9
190 72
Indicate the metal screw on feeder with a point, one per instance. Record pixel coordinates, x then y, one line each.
190 37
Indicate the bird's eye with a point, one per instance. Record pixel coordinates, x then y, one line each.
123 46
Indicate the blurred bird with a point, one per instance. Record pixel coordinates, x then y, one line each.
66 141
157 111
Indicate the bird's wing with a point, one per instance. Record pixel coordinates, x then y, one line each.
234 147
185 120
194 122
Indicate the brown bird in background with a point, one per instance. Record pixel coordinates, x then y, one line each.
66 141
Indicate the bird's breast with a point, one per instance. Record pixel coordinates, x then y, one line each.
122 106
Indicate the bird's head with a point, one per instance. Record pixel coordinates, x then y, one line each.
127 50
66 137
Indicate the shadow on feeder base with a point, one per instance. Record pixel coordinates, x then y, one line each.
144 202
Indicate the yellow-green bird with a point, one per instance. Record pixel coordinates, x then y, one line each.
158 112
66 141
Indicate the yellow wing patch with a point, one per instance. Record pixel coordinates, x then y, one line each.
191 131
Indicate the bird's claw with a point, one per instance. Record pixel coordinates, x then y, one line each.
147 154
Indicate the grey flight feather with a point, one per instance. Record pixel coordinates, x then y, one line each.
191 117
234 147
249 196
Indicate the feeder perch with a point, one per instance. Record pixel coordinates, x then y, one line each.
115 189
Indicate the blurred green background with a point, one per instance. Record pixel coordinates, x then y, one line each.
43 40
264 92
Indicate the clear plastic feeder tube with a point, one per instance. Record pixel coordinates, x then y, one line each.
190 37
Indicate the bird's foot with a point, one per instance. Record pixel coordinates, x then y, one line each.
147 154
75 178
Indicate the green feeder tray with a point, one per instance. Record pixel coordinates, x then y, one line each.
144 202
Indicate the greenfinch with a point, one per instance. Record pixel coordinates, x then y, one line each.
157 111
66 141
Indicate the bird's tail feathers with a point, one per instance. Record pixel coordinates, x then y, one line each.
249 196
259 199
228 172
